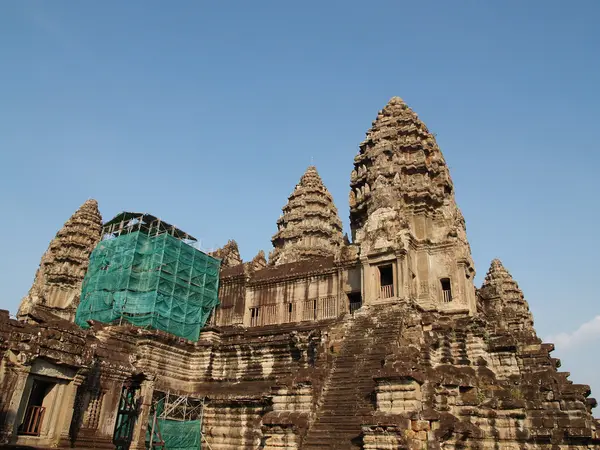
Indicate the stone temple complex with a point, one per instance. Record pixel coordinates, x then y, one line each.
380 340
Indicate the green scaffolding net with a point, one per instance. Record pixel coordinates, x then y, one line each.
155 281
172 434
176 434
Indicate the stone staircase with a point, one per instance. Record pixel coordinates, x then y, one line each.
348 400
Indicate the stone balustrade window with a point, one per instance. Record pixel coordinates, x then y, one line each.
386 281
446 290
254 317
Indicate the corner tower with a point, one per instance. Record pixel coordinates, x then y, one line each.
57 284
404 217
309 226
502 298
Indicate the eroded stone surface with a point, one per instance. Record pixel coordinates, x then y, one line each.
229 254
310 226
382 343
57 283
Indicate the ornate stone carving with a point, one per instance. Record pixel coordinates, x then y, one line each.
229 254
403 170
259 261
57 283
310 226
502 298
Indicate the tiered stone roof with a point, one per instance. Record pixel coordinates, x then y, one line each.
57 283
399 166
229 254
259 261
503 298
310 226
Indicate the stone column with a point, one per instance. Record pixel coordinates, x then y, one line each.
13 400
110 406
66 407
141 425
403 288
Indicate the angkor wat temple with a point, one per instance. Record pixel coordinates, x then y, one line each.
380 340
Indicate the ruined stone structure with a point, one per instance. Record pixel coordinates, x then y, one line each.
379 343
229 254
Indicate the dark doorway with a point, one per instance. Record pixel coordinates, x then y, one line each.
446 290
129 409
35 411
354 301
386 281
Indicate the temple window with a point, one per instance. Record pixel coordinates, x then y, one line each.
386 281
354 301
290 312
254 316
446 290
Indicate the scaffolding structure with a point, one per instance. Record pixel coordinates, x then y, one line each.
147 272
175 423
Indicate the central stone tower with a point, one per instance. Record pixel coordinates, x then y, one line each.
404 217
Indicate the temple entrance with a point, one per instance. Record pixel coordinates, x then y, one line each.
36 409
129 409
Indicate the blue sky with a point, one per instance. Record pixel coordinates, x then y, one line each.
208 113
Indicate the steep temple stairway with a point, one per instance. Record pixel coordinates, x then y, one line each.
348 398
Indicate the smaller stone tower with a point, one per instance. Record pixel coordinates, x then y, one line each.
57 284
502 299
309 226
229 254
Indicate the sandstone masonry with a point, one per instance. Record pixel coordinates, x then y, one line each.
382 342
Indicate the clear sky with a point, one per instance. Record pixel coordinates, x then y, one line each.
207 114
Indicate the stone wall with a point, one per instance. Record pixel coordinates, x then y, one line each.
287 293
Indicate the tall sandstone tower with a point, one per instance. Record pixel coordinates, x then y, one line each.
404 218
57 284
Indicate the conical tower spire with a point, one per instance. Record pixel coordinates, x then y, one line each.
58 280
309 226
402 200
503 299
399 166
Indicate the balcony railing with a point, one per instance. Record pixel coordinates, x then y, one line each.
34 416
447 296
387 291
355 306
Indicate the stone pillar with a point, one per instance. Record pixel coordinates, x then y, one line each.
60 409
363 288
403 291
139 434
66 407
110 406
14 396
